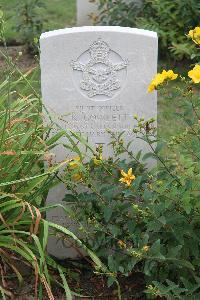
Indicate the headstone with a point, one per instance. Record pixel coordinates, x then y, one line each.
84 10
97 79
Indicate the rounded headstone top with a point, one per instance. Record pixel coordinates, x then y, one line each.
85 29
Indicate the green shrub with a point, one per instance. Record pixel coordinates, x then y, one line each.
168 18
30 23
119 13
143 220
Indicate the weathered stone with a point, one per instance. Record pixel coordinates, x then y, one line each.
97 79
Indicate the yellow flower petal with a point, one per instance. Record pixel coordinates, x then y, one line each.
98 159
145 248
130 172
194 74
127 177
160 78
74 162
195 35
123 173
151 88
164 73
171 75
77 177
121 179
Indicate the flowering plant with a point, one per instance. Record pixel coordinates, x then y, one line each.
144 220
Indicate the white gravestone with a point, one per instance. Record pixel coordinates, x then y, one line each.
97 79
84 9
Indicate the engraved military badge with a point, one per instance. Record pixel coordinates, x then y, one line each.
99 72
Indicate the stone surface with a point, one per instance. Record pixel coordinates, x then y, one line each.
84 9
97 79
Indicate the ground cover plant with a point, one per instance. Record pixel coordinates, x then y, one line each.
138 220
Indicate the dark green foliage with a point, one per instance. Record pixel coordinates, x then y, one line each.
119 12
170 19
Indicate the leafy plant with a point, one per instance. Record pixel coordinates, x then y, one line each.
118 12
30 23
145 220
168 18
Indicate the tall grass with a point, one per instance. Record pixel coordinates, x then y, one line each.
24 183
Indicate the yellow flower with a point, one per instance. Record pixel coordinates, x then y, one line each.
145 248
157 80
151 87
195 35
121 244
94 17
98 159
128 177
160 78
136 254
77 177
194 74
74 162
169 74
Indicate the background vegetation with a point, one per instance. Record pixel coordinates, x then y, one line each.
54 15
170 19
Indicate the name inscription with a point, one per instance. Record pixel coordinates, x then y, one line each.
95 120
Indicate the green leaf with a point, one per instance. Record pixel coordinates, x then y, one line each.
55 137
181 262
112 264
162 220
114 229
131 226
149 155
87 197
69 198
186 203
65 284
110 281
107 213
159 147
92 255
138 155
109 192
136 182
147 195
45 234
155 250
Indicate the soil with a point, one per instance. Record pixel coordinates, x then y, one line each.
82 280
20 56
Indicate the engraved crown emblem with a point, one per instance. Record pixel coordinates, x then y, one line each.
99 50
100 74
